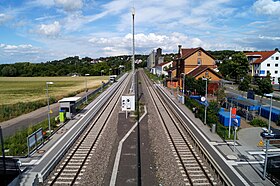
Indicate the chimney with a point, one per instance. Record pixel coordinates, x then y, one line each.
179 51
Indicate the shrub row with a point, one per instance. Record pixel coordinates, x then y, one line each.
212 116
11 111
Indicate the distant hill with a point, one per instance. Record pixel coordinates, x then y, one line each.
69 66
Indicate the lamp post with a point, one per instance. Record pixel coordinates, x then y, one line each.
86 87
183 99
48 100
269 132
205 110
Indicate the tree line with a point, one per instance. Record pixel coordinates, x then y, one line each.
67 66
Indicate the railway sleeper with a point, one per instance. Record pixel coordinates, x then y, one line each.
200 180
198 184
61 182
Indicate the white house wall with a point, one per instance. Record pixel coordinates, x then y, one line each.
270 65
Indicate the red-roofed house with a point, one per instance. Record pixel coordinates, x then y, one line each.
198 63
264 63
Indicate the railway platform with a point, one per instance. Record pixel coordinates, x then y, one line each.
247 159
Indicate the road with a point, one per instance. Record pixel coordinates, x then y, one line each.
265 100
11 126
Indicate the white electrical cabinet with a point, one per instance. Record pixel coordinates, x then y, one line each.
128 103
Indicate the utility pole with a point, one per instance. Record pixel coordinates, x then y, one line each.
3 154
133 54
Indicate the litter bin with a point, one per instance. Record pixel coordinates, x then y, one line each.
62 116
213 130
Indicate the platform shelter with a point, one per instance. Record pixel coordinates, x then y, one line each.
69 105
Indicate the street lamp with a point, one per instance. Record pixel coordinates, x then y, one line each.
269 132
183 99
205 110
170 72
86 87
48 100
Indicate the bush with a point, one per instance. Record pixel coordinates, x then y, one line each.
258 123
17 144
11 111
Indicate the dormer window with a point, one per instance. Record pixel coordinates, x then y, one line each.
199 53
199 61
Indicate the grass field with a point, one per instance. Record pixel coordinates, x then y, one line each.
28 89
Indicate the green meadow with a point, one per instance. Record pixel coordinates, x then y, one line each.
20 95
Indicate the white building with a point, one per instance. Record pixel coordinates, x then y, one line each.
162 68
151 60
264 63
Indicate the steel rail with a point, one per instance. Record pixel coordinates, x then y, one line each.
120 90
171 116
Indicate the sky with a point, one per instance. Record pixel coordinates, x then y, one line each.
44 30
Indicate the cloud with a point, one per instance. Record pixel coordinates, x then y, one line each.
144 43
69 5
4 18
23 49
50 29
274 38
267 7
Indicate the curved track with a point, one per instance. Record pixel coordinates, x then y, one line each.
194 168
70 171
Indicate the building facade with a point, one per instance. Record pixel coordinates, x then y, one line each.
265 63
151 61
162 68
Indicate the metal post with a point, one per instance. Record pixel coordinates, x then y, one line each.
205 110
3 154
133 54
229 125
269 119
183 99
235 128
171 86
86 88
265 160
48 100
267 140
49 119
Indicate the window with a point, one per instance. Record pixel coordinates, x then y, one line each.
199 53
267 72
272 58
276 64
276 72
268 64
198 61
277 58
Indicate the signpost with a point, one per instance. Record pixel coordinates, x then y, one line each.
128 103
235 123
232 114
34 138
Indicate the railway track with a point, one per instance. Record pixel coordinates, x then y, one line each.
195 170
71 169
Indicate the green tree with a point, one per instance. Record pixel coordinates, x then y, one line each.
221 95
264 86
244 84
190 83
9 71
235 68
